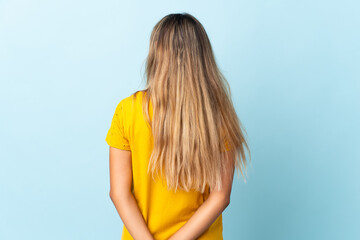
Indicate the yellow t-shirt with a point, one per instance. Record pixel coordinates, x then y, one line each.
163 210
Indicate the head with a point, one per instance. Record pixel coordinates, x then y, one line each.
193 115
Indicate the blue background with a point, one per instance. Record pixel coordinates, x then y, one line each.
293 67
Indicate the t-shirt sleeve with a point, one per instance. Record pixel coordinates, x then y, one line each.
116 135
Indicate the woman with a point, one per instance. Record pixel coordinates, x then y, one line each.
175 145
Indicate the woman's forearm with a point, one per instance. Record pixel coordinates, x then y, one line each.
202 219
131 216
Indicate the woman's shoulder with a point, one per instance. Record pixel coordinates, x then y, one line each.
132 100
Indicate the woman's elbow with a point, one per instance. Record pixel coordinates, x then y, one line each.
221 199
228 201
112 195
119 195
115 195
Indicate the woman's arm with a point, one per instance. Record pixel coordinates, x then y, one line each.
122 197
211 209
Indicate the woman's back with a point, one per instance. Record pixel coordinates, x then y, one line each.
179 126
164 211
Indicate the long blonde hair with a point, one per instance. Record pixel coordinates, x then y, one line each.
193 114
